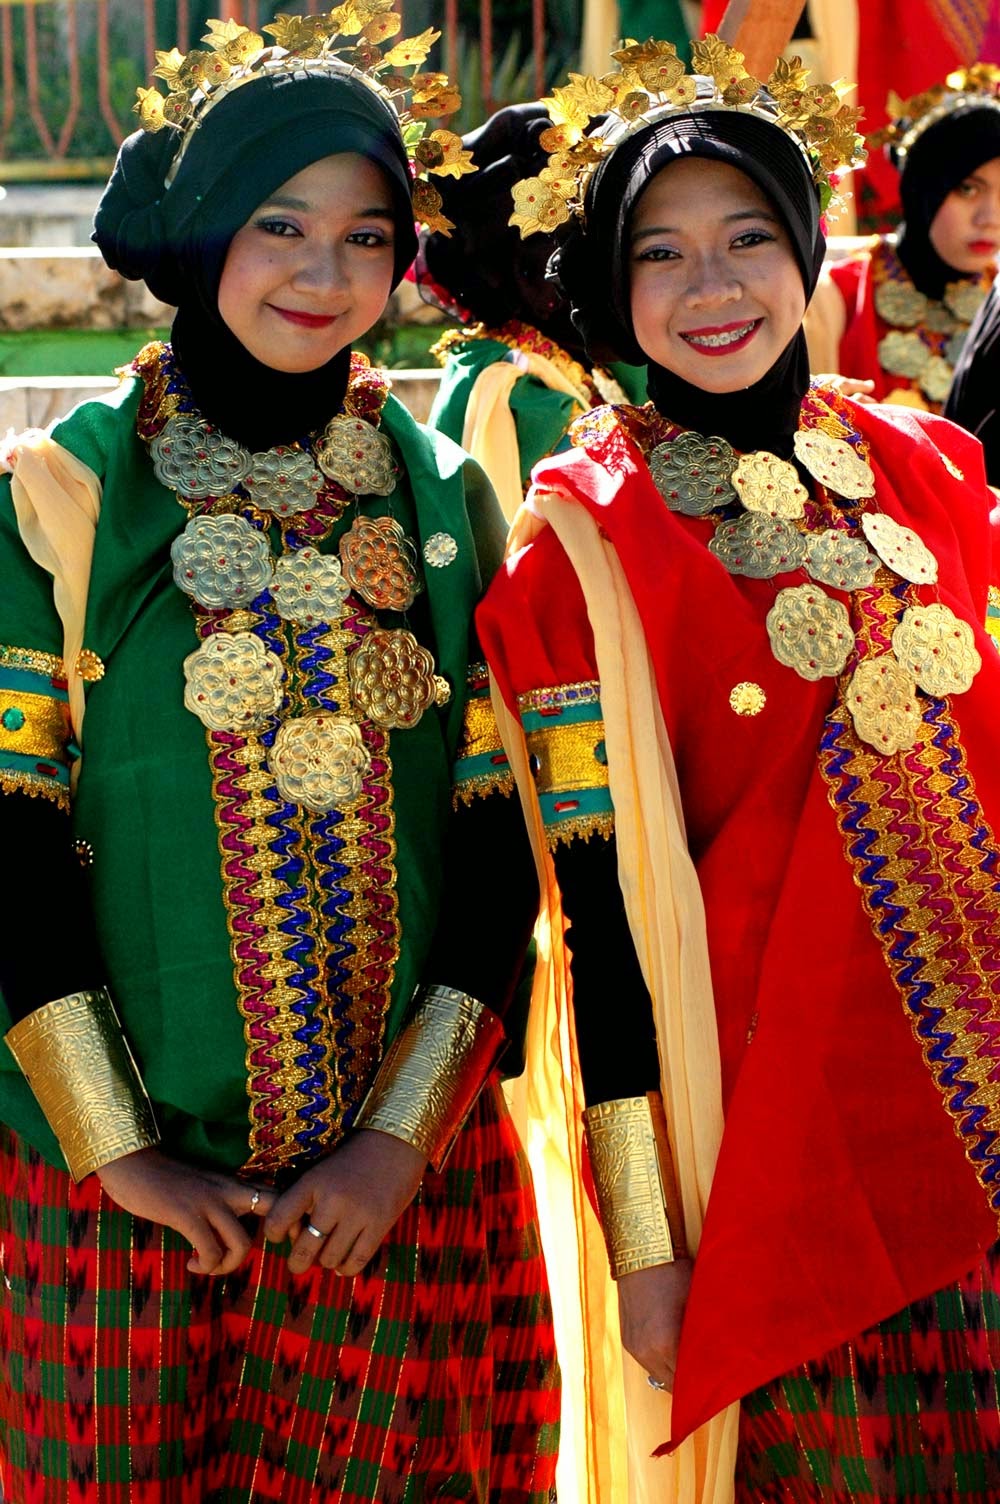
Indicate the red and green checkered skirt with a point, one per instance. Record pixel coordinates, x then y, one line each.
909 1411
431 1376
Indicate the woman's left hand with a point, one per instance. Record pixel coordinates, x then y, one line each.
351 1199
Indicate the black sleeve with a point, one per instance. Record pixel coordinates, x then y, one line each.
489 903
613 1011
974 400
47 944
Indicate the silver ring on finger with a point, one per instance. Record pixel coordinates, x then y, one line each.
315 1232
655 1383
254 1199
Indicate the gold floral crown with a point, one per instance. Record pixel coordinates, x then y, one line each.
973 87
347 39
651 83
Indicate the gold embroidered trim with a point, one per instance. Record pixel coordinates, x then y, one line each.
36 786
33 661
558 696
580 827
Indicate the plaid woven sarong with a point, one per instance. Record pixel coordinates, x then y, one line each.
909 1411
431 1376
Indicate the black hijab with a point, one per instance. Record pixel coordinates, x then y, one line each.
764 416
484 269
175 239
945 154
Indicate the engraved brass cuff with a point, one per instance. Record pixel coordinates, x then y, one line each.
433 1071
78 1063
634 1177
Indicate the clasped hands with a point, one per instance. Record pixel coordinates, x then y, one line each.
336 1213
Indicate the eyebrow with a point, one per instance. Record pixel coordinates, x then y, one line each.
739 215
285 201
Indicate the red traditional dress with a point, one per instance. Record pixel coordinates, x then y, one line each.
894 335
851 899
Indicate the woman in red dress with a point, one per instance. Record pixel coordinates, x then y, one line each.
897 312
750 700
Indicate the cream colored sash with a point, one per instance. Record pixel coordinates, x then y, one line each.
57 501
490 434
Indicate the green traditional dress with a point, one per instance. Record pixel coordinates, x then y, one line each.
280 708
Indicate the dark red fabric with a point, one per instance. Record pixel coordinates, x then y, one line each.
859 346
841 1192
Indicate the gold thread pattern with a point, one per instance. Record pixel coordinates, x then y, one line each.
76 1060
35 725
569 756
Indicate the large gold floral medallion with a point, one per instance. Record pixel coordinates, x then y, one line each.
936 378
309 587
937 649
191 457
938 319
320 761
834 558
758 546
693 473
900 303
392 678
884 705
769 485
356 456
964 299
834 464
902 354
283 481
379 562
900 548
221 561
233 682
810 632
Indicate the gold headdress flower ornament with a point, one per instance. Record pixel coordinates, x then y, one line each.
349 39
651 84
976 87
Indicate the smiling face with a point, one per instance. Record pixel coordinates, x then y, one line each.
965 231
716 291
312 268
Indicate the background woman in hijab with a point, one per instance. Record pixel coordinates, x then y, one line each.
518 375
264 573
746 691
897 313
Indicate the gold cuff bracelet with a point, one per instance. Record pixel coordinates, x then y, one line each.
433 1071
636 1190
78 1063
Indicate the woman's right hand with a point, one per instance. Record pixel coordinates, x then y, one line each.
650 1307
203 1205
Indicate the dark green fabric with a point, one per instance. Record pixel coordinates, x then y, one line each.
540 415
632 380
144 799
663 19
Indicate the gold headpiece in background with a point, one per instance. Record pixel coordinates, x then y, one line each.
973 87
651 84
348 39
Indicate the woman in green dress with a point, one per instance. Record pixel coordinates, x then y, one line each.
265 1228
